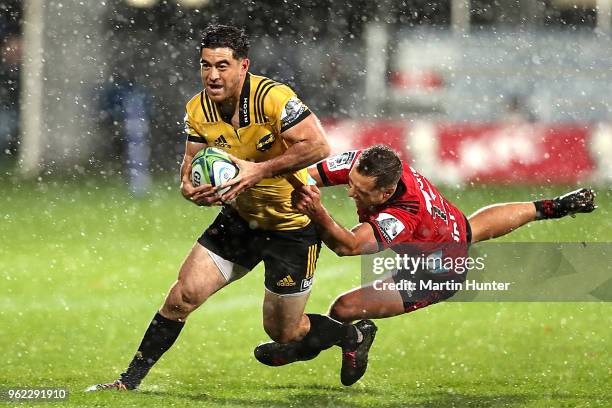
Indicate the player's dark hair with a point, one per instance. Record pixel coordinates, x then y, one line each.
223 36
382 163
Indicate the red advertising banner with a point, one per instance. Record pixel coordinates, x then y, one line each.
457 153
514 153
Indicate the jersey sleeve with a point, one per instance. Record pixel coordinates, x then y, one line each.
283 108
335 169
189 120
393 226
191 133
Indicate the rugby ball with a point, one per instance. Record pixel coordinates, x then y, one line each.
212 166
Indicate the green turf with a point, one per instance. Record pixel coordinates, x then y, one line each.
83 269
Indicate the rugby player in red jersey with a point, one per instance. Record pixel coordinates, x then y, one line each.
400 209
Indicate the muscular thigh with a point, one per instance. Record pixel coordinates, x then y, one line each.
199 275
372 301
231 238
225 252
290 259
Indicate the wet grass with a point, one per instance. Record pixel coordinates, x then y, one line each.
84 267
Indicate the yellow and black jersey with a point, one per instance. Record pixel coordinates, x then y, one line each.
266 109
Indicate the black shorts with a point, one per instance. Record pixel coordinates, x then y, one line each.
420 298
290 257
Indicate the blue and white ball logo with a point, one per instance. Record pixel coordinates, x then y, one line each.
222 172
212 166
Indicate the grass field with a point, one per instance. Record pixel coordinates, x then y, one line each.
84 268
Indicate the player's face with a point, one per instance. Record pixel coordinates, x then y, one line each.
363 190
222 73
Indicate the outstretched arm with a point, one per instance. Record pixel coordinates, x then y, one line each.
359 240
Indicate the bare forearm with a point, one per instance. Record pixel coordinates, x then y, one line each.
191 149
340 240
359 240
184 171
296 157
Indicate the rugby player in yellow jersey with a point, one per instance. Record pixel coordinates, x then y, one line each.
272 137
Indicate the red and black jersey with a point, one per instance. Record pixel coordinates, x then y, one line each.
415 213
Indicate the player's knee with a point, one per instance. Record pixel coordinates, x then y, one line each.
177 309
342 310
190 299
181 301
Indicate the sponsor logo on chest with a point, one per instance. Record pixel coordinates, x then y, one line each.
265 143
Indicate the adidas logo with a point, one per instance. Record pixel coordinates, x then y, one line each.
222 142
286 281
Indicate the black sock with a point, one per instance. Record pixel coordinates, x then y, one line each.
326 332
158 338
545 209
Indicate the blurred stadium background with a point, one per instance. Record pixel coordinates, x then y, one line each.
497 100
447 79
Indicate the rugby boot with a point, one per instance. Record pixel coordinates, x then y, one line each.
578 201
276 354
355 359
117 385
